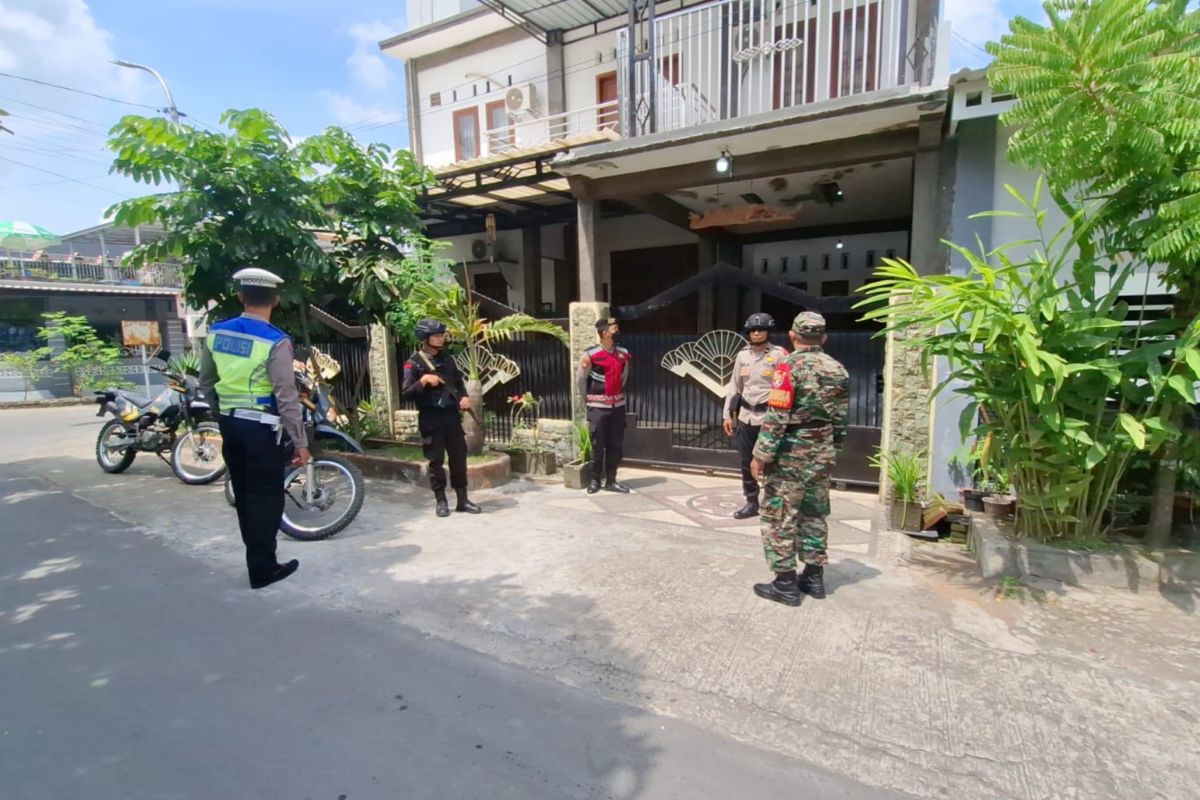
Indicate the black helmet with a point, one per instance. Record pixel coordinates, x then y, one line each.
760 322
429 327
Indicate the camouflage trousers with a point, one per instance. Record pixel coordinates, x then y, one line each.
795 504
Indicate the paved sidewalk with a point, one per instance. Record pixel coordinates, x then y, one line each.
912 675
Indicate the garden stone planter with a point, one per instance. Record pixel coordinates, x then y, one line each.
999 506
906 516
533 462
972 499
577 474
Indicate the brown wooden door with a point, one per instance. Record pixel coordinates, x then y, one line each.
606 93
846 68
638 275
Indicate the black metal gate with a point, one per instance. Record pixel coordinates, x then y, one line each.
677 422
353 384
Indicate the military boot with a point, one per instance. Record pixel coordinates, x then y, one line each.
443 508
782 590
747 511
812 581
593 486
464 504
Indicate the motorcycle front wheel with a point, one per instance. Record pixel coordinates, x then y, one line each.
115 447
334 501
196 458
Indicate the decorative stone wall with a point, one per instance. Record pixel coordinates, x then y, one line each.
553 435
906 410
384 372
404 426
582 326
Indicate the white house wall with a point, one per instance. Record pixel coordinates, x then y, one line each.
523 61
856 249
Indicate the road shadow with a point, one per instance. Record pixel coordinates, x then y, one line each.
106 628
847 572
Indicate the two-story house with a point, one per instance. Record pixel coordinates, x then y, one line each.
617 148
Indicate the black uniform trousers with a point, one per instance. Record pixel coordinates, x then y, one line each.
256 463
607 429
442 435
746 436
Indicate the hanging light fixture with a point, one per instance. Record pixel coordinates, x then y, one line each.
724 164
839 244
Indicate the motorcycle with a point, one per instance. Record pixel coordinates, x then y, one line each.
153 424
324 496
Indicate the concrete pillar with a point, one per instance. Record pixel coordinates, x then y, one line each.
531 269
706 314
582 328
556 82
907 419
413 90
589 276
385 374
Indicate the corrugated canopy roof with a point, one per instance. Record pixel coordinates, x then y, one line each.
560 15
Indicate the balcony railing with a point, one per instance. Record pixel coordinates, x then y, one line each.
36 270
529 132
736 58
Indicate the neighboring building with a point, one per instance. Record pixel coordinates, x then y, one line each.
619 148
84 276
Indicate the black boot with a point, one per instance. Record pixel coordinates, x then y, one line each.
781 590
280 572
747 511
613 485
464 504
812 581
443 508
593 486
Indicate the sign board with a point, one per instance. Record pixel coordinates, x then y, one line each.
140 333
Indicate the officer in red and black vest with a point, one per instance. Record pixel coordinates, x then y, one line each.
603 373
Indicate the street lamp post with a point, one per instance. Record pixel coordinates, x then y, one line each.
171 109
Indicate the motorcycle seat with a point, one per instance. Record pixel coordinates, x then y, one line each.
139 400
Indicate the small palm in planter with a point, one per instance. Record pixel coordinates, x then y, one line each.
525 447
577 474
906 473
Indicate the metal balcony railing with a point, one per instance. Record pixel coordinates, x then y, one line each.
88 271
520 133
737 58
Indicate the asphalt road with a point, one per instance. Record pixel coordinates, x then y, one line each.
130 670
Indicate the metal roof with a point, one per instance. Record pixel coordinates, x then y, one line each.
559 15
88 288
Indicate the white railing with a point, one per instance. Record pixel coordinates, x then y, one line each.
735 58
520 133
88 271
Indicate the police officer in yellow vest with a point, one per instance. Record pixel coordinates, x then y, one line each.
246 370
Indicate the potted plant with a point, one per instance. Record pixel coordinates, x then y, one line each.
905 473
577 473
525 447
998 500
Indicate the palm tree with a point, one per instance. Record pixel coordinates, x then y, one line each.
448 302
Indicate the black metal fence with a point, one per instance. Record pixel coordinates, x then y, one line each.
546 371
353 384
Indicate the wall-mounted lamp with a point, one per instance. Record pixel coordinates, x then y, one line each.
724 164
839 244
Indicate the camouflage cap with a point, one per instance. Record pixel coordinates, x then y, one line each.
809 323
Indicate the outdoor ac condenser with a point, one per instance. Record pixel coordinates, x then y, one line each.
519 99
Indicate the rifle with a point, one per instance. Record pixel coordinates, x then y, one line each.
445 386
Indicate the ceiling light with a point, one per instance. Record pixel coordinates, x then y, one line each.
724 163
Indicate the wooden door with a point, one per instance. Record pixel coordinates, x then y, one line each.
857 29
608 116
638 275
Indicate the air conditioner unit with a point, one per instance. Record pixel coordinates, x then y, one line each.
519 98
479 249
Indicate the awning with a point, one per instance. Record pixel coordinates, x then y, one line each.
557 15
90 288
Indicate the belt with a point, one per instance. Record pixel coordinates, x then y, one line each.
251 414
758 408
811 424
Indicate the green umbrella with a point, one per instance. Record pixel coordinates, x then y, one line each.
24 236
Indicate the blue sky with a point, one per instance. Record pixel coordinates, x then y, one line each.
312 63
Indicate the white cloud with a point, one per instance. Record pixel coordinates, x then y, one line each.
346 110
367 64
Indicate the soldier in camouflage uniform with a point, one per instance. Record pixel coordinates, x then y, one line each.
803 429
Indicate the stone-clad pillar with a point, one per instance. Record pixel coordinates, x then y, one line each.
385 374
584 317
906 406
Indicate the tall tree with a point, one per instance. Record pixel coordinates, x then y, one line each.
1108 107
